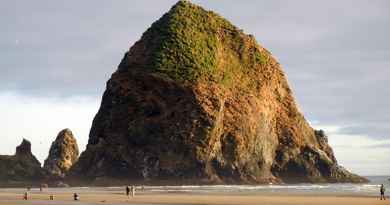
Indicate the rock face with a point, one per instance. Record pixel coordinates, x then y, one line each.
21 167
63 153
198 101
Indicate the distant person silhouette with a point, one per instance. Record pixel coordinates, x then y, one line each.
132 191
127 191
25 196
383 192
76 197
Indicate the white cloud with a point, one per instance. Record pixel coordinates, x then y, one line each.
40 119
359 153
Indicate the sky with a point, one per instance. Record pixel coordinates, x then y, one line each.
56 57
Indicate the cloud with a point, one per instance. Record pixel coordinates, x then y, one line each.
382 145
377 130
68 48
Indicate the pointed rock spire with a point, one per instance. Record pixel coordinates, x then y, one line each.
24 148
63 154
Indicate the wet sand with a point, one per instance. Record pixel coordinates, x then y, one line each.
186 198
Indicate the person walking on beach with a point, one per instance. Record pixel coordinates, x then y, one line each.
132 191
383 192
25 196
127 191
76 197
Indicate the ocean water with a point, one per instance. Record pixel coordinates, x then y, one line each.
338 189
366 189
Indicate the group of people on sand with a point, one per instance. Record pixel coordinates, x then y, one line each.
51 196
132 190
129 190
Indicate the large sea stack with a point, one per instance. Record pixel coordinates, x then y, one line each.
196 100
21 168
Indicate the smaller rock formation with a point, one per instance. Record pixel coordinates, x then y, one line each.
24 149
20 168
63 153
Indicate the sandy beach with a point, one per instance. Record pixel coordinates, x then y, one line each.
186 198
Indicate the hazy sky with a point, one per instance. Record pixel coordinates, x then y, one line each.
57 55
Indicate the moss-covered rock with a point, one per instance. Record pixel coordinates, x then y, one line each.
189 44
198 101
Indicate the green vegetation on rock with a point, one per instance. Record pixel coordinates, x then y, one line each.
187 43
191 44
